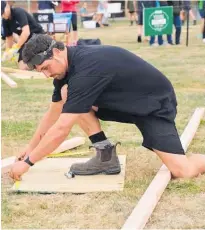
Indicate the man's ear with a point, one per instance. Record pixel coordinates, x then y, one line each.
56 52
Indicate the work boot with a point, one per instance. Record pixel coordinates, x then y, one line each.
106 161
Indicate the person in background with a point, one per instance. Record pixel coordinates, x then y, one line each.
85 16
202 14
131 6
101 10
177 7
48 7
140 6
187 9
160 38
176 21
70 6
17 21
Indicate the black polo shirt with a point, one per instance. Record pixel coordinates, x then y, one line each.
115 79
19 19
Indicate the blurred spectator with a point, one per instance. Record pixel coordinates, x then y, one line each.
101 11
85 16
131 6
47 7
69 6
202 14
140 6
177 7
160 38
19 21
186 8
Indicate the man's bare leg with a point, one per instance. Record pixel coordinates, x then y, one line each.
106 160
88 122
182 166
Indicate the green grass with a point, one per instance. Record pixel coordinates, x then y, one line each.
182 204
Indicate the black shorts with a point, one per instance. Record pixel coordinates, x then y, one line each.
131 11
158 133
74 20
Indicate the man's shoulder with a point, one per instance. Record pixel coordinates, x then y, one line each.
83 54
17 10
89 47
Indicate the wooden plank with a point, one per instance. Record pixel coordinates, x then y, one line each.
23 72
26 76
66 145
146 205
47 176
70 144
6 164
8 80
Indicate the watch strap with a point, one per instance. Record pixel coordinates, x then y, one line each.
27 160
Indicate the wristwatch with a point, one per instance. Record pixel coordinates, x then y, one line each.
27 160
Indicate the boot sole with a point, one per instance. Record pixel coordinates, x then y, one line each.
106 172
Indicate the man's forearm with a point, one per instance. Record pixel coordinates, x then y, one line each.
9 42
51 140
22 39
54 136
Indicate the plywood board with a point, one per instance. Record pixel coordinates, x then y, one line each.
47 176
69 144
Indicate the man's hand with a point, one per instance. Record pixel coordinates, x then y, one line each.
18 169
23 155
10 54
5 55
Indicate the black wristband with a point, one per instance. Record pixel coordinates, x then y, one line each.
27 160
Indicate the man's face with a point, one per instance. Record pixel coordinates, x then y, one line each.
7 12
53 68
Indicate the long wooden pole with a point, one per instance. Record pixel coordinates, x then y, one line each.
30 74
143 210
8 80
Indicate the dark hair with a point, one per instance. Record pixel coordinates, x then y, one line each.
38 43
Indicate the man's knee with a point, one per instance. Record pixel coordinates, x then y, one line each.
179 165
183 172
64 93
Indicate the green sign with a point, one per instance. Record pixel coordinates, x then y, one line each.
158 20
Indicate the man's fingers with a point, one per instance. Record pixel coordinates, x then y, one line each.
17 178
11 174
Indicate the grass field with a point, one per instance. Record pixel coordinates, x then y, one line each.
182 204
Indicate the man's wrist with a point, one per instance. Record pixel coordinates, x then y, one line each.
28 161
16 46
